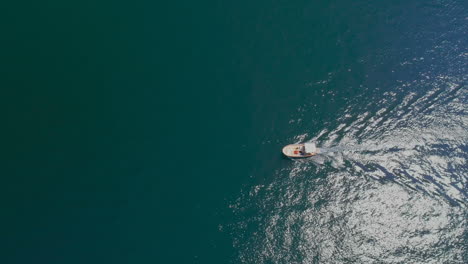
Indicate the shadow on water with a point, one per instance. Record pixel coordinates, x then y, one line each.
414 184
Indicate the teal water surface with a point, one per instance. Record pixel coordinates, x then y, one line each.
143 132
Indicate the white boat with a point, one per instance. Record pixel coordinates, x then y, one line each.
301 150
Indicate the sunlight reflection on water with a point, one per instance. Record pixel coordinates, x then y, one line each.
392 187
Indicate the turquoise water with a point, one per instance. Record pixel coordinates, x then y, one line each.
151 133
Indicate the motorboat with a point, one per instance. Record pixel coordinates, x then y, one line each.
301 150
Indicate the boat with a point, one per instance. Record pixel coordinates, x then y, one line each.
301 150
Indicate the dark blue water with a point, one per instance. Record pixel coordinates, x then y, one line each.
152 132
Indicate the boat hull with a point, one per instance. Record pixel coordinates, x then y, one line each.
296 151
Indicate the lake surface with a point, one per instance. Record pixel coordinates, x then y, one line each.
152 132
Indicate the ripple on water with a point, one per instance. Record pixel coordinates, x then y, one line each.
395 191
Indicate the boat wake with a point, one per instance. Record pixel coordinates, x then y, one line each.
326 150
419 141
